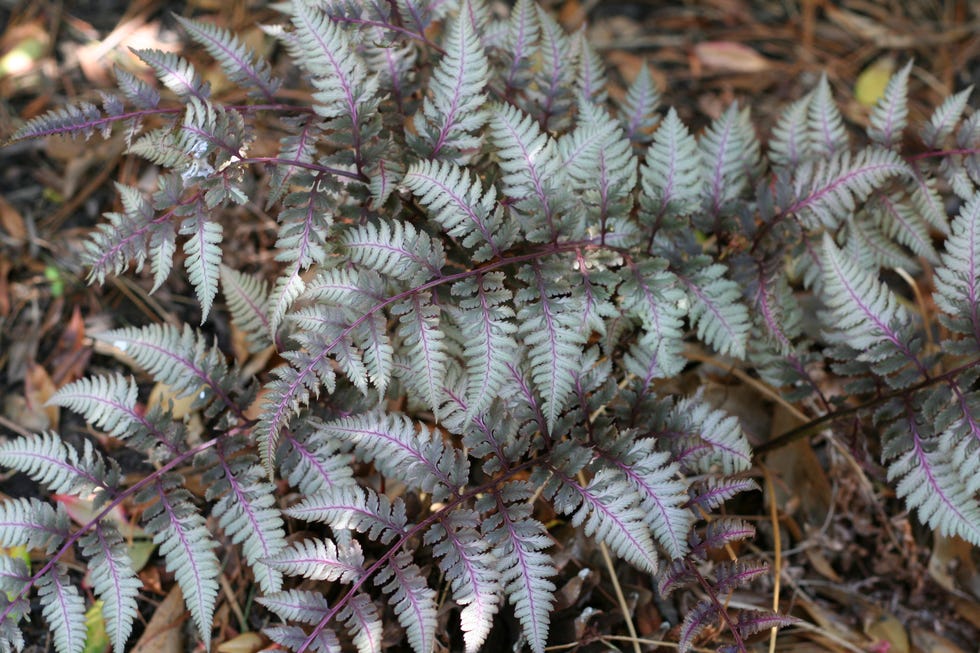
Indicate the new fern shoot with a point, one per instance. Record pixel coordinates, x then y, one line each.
472 232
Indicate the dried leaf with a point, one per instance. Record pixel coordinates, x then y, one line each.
70 358
38 388
5 267
730 57
12 221
163 633
885 627
929 642
244 643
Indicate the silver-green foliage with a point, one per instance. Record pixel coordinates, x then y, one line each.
518 267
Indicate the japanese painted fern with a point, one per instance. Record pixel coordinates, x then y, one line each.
488 274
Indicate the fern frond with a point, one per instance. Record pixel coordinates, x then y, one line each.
455 112
293 638
485 321
549 327
721 318
176 73
113 580
825 123
320 560
245 509
608 508
958 278
324 49
471 571
828 191
426 353
14 576
395 249
866 241
521 44
600 164
134 235
720 533
304 222
661 496
751 622
203 256
903 223
363 623
944 119
49 461
890 113
414 602
927 202
240 65
651 295
110 404
517 541
107 402
591 77
455 199
551 94
247 297
78 118
187 547
304 606
702 615
351 507
669 176
298 147
312 463
637 111
709 437
862 309
64 610
286 394
420 13
134 89
712 492
790 141
730 575
531 170
934 487
403 449
32 523
180 359
725 154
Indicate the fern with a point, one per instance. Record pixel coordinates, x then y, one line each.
890 114
455 110
486 283
238 63
114 581
64 610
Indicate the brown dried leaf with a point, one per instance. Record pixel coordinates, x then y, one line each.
5 267
163 633
730 57
885 627
244 643
12 221
952 566
71 356
924 641
38 388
